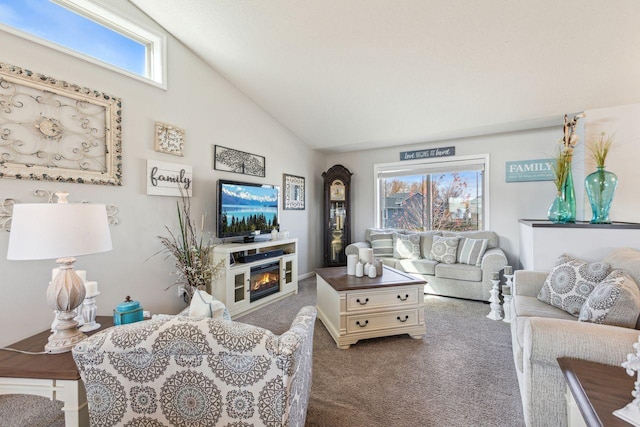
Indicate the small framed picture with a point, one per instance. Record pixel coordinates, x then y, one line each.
169 139
293 192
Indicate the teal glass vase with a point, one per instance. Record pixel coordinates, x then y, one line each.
601 186
559 210
569 196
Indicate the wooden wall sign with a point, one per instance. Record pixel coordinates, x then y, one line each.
169 179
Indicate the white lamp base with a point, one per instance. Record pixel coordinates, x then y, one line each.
65 293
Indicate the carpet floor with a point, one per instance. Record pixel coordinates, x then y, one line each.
460 374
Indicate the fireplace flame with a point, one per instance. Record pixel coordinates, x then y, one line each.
266 279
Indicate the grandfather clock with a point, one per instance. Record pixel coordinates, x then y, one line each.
337 215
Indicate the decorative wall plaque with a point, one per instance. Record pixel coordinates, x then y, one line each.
169 139
52 130
293 192
230 160
169 179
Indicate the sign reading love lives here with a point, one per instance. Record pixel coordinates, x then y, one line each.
428 153
529 170
168 179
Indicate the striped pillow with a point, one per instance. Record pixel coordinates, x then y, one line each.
470 251
382 245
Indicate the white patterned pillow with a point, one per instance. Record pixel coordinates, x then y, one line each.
615 301
205 305
406 246
570 283
470 251
382 244
445 249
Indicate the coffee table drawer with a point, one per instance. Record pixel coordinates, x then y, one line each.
359 301
372 322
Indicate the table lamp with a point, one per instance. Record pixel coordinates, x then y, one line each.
60 231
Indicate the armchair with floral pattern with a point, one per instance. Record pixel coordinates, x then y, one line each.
198 372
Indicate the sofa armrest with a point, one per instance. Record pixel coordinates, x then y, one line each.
354 248
528 282
547 339
493 260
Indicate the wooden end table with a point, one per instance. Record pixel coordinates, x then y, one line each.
54 376
596 390
354 308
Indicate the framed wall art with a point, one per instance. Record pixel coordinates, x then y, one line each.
293 192
169 139
51 130
230 160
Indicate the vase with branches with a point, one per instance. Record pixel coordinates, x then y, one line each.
192 253
568 143
601 184
559 211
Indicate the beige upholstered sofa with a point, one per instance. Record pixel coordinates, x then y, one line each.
541 333
177 370
471 281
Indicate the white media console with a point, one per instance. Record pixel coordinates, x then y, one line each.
255 274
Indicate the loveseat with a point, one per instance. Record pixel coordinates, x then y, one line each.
541 333
178 370
459 273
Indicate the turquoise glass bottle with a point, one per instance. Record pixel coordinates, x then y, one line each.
569 196
601 186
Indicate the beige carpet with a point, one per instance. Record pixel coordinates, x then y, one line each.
460 374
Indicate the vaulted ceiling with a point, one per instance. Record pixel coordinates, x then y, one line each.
352 74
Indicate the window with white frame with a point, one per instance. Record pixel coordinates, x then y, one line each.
84 29
432 195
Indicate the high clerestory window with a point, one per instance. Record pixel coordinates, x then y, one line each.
432 195
84 29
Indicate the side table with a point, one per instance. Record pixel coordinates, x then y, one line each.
54 376
596 390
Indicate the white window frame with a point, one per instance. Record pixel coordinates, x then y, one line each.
438 163
155 42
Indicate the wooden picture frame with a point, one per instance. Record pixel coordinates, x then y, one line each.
294 192
230 160
169 139
51 130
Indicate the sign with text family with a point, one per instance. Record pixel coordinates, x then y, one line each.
428 153
529 170
168 179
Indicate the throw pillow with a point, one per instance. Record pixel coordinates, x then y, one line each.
406 246
570 283
470 251
382 245
204 305
445 249
615 301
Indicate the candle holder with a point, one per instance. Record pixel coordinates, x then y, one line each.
494 301
89 311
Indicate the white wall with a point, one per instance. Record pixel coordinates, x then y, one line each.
213 112
507 202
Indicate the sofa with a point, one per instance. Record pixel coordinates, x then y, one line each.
180 370
542 333
455 276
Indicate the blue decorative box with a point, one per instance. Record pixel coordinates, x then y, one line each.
127 312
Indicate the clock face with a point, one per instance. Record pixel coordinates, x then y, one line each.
337 191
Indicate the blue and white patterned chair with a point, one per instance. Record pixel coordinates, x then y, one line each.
198 372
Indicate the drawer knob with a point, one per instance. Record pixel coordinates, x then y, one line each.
405 318
366 322
366 300
406 297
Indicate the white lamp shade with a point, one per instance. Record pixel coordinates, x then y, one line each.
56 230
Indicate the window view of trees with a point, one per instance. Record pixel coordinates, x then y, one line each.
442 201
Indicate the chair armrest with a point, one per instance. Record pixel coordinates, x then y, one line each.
528 282
354 248
547 339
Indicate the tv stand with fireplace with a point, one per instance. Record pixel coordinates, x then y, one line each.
255 274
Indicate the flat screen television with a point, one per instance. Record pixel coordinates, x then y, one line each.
245 208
